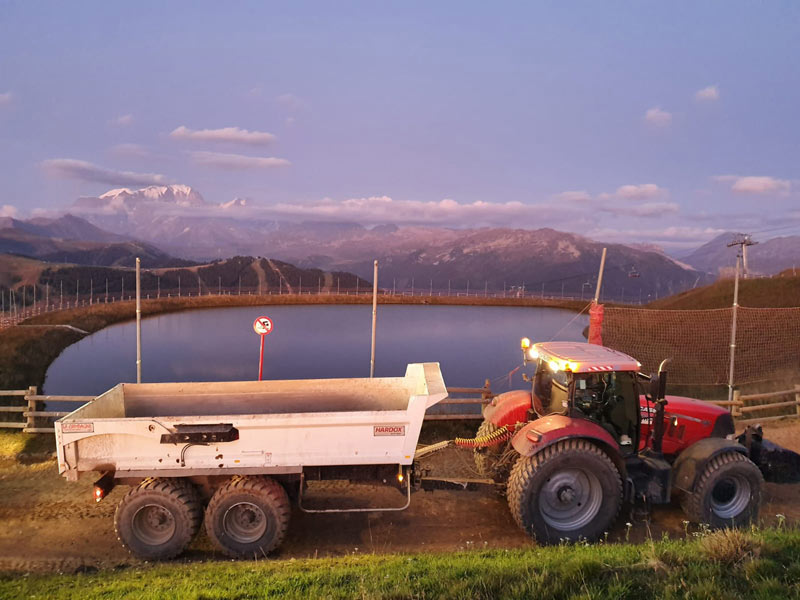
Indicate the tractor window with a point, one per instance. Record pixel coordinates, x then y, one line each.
611 399
550 391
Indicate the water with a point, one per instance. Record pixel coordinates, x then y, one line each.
471 343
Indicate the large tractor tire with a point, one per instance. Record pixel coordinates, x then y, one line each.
248 516
569 491
727 493
157 519
488 460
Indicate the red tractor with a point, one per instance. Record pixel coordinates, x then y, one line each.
594 432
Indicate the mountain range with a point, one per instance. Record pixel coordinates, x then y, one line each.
176 220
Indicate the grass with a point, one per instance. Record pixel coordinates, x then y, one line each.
781 291
15 443
27 350
664 569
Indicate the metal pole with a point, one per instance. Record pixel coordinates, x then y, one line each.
600 277
374 317
733 328
138 321
261 358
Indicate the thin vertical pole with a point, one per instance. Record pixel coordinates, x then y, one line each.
240 285
106 290
261 358
61 298
91 291
138 321
374 317
600 276
158 286
733 328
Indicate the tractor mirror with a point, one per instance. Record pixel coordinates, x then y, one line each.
658 386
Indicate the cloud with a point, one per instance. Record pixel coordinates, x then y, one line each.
81 170
658 117
670 237
707 94
135 150
577 197
647 209
122 120
758 185
643 191
6 210
6 98
234 135
237 161
291 102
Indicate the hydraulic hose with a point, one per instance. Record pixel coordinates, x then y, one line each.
495 438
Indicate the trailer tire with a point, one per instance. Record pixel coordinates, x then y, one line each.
248 516
727 493
488 460
157 519
569 491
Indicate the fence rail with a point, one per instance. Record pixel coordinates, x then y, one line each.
744 405
31 409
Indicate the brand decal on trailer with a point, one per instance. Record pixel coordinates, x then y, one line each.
77 428
389 430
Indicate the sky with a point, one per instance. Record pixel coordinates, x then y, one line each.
652 122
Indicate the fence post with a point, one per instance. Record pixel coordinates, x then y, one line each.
30 420
486 395
797 397
735 408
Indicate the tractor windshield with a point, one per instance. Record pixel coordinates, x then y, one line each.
550 390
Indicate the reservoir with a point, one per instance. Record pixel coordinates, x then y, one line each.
472 343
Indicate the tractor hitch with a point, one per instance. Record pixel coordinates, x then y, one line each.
777 464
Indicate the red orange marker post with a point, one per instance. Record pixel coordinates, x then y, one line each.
262 326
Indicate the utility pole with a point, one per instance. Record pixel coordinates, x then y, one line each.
138 321
374 317
742 241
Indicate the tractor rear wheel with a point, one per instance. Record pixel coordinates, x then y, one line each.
248 516
157 519
488 460
727 493
569 491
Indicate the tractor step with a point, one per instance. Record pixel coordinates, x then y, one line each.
650 478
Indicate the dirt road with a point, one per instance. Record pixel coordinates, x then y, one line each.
52 525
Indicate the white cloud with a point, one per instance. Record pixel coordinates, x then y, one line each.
122 120
670 237
237 161
658 117
136 150
646 209
6 210
643 191
82 170
578 196
291 102
759 185
707 94
5 98
234 135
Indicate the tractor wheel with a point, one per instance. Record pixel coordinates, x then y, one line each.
248 516
487 460
569 491
727 493
157 519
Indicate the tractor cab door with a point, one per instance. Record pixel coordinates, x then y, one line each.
612 399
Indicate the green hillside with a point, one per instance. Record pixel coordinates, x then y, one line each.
779 291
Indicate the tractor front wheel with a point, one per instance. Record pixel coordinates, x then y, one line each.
727 493
569 491
489 460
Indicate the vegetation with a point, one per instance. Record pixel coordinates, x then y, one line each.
781 291
760 564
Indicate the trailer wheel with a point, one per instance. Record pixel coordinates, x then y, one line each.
488 460
567 492
248 516
727 493
157 519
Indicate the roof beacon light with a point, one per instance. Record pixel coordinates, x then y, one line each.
525 343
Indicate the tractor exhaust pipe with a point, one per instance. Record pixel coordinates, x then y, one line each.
658 392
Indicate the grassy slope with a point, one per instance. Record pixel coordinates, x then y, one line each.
762 564
26 352
773 292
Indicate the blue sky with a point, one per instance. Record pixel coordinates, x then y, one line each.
632 122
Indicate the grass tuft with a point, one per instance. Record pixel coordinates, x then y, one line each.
730 546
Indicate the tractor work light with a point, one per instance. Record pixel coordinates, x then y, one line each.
525 343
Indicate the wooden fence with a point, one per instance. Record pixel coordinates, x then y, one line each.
31 412
743 407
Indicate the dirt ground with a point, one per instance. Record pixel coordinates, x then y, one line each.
49 524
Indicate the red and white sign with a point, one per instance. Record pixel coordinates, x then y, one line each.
381 430
263 325
77 428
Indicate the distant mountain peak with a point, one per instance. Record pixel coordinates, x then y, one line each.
181 195
235 203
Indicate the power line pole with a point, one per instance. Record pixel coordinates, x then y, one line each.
742 241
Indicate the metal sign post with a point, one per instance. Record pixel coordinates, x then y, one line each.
138 321
263 327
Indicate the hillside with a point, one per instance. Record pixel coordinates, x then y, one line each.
767 257
781 291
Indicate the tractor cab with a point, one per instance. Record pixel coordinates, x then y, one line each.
588 382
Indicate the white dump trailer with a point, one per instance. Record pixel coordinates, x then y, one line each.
241 449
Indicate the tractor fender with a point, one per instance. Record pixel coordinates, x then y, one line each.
691 462
509 408
541 433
